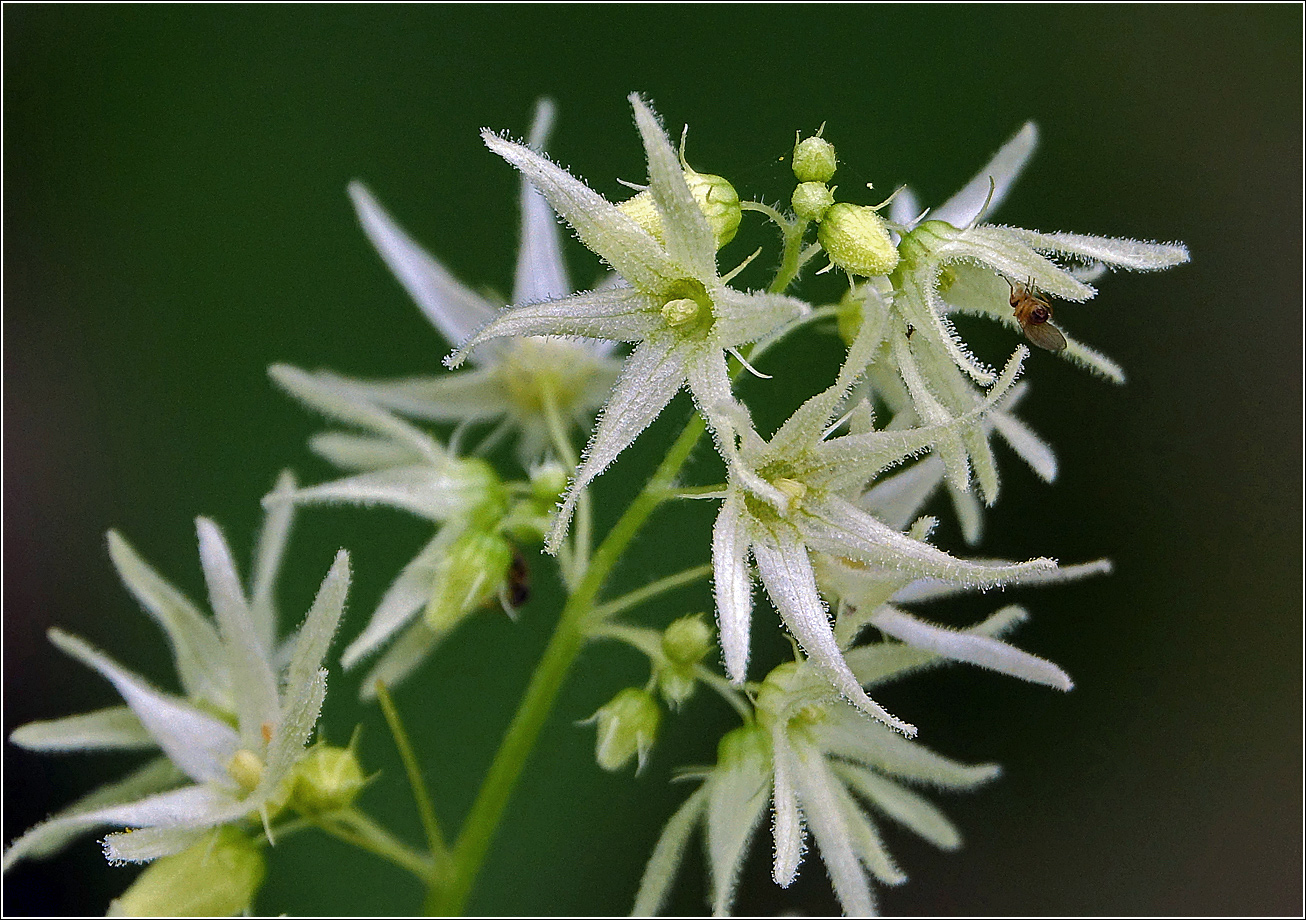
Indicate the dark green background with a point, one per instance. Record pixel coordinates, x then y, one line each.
175 220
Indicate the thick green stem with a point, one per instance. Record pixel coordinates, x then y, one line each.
449 895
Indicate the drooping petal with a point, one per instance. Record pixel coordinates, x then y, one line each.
451 307
56 832
928 589
887 661
733 586
909 809
195 741
196 649
821 805
1006 165
852 737
653 374
253 679
268 552
863 835
667 855
786 572
787 828
689 239
541 272
983 651
115 728
603 228
623 314
402 600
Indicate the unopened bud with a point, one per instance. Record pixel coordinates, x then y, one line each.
217 876
467 577
856 239
811 200
716 198
748 742
627 727
687 640
326 779
814 160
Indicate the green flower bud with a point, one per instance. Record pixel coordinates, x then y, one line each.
217 876
748 742
716 198
811 200
856 240
814 160
627 727
485 491
687 640
326 779
547 482
790 692
467 577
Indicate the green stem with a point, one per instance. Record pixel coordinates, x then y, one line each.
651 590
425 810
448 895
357 829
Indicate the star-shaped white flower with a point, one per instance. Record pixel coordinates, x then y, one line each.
516 382
231 741
674 304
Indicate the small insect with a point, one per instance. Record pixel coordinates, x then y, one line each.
910 330
1033 313
518 588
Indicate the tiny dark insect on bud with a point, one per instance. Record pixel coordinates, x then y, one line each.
519 581
910 330
1034 315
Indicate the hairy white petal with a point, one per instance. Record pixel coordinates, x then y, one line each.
1120 253
475 394
822 806
314 637
434 492
268 552
114 728
150 843
408 594
667 855
1031 448
853 737
864 835
361 452
926 589
911 810
733 586
787 828
413 647
541 270
744 317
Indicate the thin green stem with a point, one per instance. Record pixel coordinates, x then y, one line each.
792 261
649 591
727 691
578 557
449 894
425 810
357 829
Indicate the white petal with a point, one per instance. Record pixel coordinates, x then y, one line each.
269 550
337 398
709 383
201 663
978 650
604 229
963 207
471 395
821 805
905 207
300 711
434 492
909 809
689 239
653 374
667 856
253 680
744 317
56 832
897 500
196 742
1031 448
149 843
622 314
407 595
863 835
788 827
314 637
853 737
115 728
887 661
786 571
1120 253
450 306
403 656
361 452
733 586
926 589
541 271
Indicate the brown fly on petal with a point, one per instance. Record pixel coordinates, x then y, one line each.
1034 315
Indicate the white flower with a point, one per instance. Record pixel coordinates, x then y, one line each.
674 303
811 757
517 382
786 499
248 710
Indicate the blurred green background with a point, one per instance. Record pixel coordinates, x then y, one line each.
176 220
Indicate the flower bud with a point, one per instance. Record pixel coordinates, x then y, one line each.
326 779
217 876
627 727
748 742
856 240
814 160
547 482
687 640
791 691
716 198
811 200
468 576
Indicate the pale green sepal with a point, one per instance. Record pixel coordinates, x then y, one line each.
854 738
195 741
216 876
450 306
196 649
962 646
738 793
821 805
912 811
667 855
56 832
326 779
115 728
247 657
605 230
